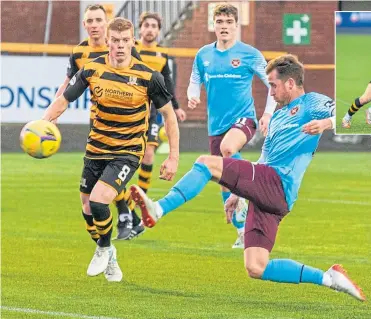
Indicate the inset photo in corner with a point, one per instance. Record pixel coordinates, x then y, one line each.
353 72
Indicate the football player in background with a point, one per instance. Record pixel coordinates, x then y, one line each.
226 68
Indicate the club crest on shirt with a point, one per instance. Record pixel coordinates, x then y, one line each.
294 110
236 63
158 54
133 80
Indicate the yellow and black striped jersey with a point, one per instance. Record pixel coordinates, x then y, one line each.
122 105
156 57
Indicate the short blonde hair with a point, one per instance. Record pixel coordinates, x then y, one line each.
287 66
120 24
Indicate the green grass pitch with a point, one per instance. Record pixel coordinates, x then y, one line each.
353 73
184 267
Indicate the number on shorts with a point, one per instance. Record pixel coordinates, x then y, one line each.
124 173
154 130
242 121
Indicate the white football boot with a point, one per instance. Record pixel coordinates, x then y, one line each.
113 271
239 243
346 123
342 282
100 260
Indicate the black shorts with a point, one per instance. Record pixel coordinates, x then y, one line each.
153 127
114 172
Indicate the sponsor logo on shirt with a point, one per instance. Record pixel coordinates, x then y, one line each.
236 63
222 76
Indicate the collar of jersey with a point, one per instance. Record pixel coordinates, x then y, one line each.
293 103
132 61
217 50
140 44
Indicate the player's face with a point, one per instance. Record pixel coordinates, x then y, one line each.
120 44
225 27
280 90
95 23
149 30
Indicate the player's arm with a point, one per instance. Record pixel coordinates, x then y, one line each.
166 73
161 99
315 127
323 117
75 88
258 66
72 69
195 83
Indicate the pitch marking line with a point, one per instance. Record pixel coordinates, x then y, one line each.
54 313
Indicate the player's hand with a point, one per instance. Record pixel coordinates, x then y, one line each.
263 123
193 102
230 206
181 115
168 169
315 127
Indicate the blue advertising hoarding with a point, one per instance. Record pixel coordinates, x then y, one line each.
353 20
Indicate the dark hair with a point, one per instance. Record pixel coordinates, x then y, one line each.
226 9
287 66
150 15
93 7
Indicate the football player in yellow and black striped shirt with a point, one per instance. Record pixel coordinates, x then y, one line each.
122 87
95 24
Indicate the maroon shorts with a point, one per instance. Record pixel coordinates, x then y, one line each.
262 186
245 124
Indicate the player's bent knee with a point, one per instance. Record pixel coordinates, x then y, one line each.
99 210
254 271
103 193
226 151
204 159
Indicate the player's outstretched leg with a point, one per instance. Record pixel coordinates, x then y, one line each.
259 266
205 168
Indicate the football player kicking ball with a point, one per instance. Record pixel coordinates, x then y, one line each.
117 139
271 185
